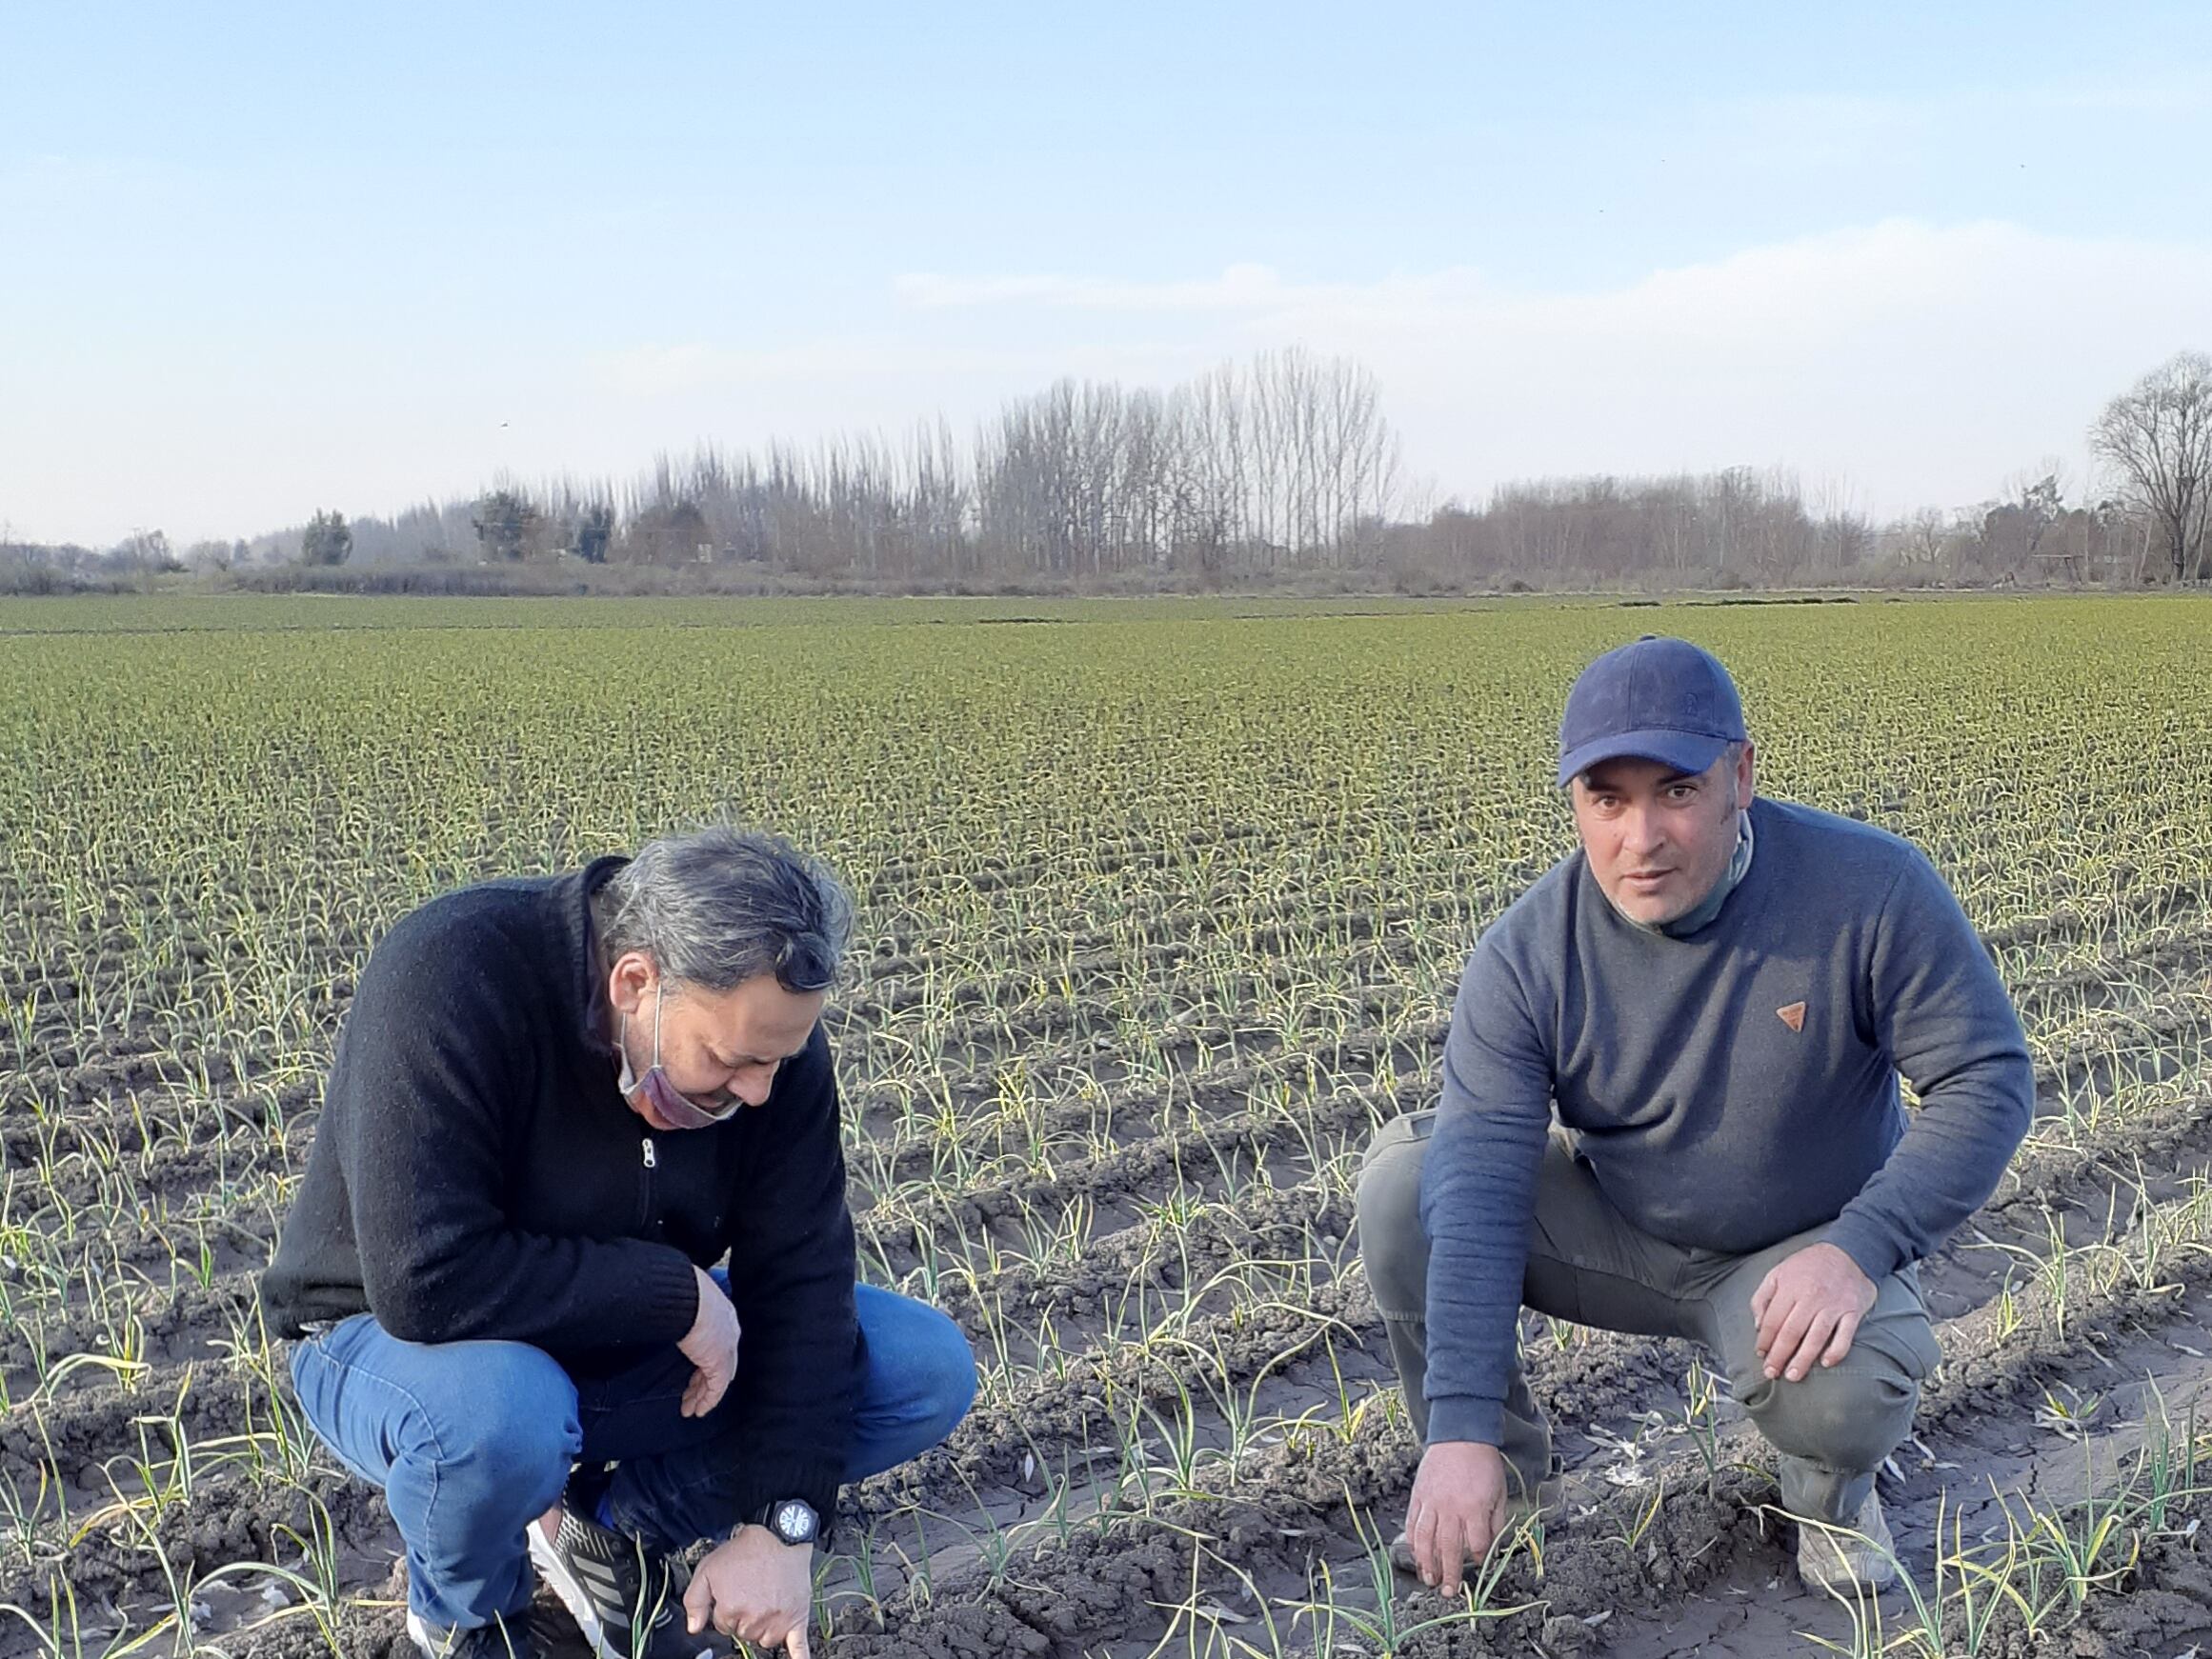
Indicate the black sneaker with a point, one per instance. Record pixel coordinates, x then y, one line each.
496 1640
628 1599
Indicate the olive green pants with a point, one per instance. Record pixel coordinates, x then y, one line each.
1588 1264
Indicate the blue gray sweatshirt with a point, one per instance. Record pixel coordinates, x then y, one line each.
1730 1087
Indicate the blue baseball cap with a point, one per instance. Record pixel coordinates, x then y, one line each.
1657 699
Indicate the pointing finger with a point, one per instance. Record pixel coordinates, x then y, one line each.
1452 1540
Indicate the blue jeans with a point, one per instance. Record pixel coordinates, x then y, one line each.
473 1441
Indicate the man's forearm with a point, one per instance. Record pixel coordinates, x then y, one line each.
1951 1159
556 1294
1944 1016
1478 1180
1477 1191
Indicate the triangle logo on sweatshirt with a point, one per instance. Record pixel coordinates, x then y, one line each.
1792 1016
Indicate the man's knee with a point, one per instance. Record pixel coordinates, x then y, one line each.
1392 1248
1854 1415
944 1380
516 1440
920 1382
921 1370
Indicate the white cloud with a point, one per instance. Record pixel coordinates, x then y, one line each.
49 183
1239 287
1922 362
654 370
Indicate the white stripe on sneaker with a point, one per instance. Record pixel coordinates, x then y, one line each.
574 1596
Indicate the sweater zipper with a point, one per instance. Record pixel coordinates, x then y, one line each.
650 1161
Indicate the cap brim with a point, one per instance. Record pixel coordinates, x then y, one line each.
1686 751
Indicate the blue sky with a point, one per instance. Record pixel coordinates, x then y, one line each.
256 260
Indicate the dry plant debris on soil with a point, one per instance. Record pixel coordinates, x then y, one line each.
1161 912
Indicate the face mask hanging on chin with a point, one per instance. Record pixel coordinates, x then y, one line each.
671 1104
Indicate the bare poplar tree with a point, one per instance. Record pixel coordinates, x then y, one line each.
2157 438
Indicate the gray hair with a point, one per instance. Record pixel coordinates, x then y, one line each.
719 906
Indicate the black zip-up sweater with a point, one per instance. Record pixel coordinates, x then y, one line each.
477 1175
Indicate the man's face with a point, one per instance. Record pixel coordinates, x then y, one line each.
715 1047
1658 840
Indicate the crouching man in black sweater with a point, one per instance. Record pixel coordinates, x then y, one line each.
556 1105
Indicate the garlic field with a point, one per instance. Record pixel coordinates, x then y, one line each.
1161 908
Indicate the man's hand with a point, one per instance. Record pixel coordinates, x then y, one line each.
1808 1310
756 1589
1457 1511
712 1346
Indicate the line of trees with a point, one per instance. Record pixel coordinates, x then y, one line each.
1746 529
1737 526
1284 462
1283 466
1287 465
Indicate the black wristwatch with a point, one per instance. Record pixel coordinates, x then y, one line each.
792 1520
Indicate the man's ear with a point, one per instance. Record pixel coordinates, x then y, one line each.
631 981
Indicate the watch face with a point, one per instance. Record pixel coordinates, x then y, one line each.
795 1521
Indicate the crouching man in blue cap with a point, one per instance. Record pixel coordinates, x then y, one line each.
1670 1108
557 1106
